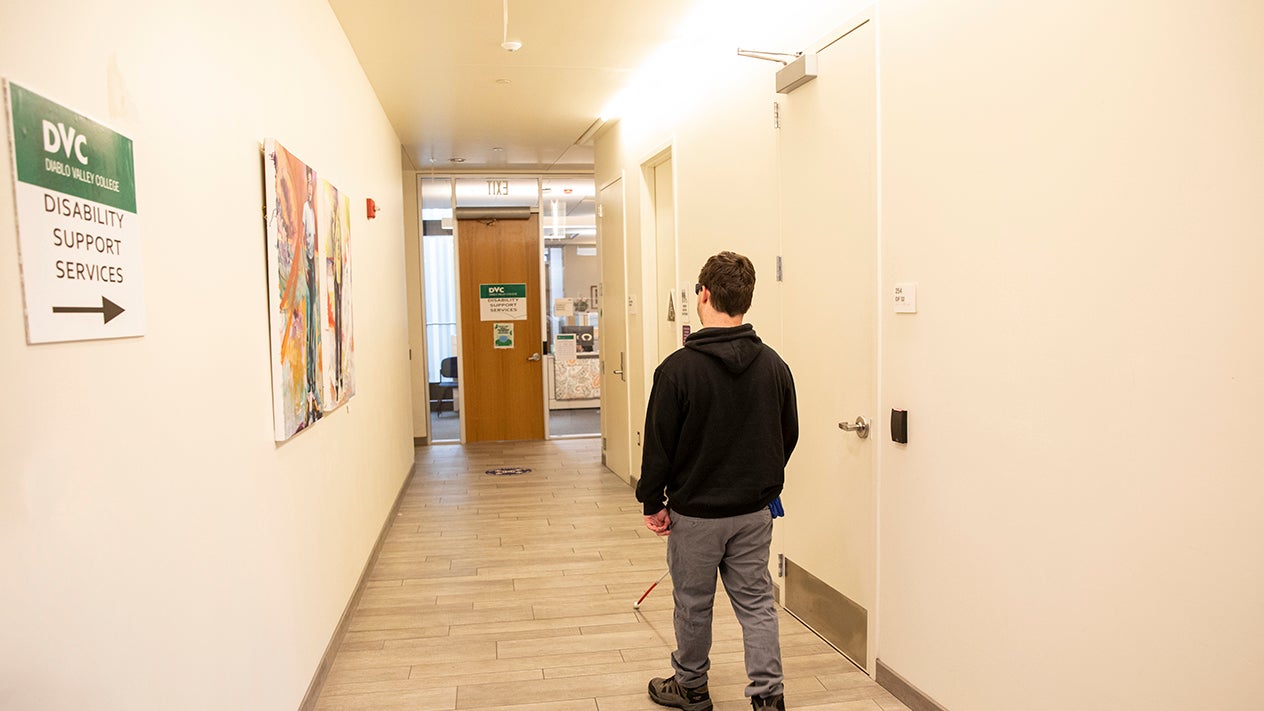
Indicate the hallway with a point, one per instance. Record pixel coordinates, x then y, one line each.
516 593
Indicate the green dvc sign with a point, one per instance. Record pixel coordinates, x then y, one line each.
502 291
58 149
502 302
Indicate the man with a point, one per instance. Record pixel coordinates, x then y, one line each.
720 426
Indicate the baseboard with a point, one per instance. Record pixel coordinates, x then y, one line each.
335 641
421 441
900 688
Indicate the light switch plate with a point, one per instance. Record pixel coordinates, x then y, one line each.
906 297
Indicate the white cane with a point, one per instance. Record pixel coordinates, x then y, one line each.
637 605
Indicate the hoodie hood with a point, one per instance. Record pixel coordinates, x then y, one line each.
736 346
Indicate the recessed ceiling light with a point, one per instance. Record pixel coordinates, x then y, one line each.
456 160
503 82
497 148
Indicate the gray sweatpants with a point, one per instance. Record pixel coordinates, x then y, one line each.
737 548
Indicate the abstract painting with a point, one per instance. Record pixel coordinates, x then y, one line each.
309 292
334 213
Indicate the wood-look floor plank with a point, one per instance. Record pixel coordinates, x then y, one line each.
420 700
515 594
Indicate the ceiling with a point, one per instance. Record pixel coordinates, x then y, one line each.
452 92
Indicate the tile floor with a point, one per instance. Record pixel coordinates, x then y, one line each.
446 426
583 421
516 593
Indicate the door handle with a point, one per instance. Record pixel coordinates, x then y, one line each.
619 372
860 426
534 357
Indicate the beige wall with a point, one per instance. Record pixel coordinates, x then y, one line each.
159 549
713 112
1075 188
725 169
579 273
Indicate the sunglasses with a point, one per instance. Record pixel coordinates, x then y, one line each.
697 288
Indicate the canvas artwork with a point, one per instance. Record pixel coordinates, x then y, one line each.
336 333
309 295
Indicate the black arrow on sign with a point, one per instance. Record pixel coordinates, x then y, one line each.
108 309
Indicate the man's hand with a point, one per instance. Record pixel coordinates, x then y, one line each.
659 523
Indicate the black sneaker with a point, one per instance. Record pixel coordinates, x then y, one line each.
669 692
768 703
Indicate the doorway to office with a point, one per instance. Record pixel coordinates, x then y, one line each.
511 274
573 300
438 256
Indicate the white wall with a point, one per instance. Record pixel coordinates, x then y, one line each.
579 273
1076 189
159 549
714 111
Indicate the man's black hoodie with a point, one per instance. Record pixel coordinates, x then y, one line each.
720 426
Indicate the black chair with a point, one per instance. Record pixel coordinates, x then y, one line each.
439 396
447 373
447 370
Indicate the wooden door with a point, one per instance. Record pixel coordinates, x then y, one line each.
616 451
828 159
502 387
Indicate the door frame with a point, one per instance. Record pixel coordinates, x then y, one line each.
650 236
461 297
602 245
815 594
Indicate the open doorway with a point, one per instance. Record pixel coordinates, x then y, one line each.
439 268
573 275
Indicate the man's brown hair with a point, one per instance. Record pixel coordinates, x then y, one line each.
731 279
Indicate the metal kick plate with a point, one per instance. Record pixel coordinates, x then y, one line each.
830 614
